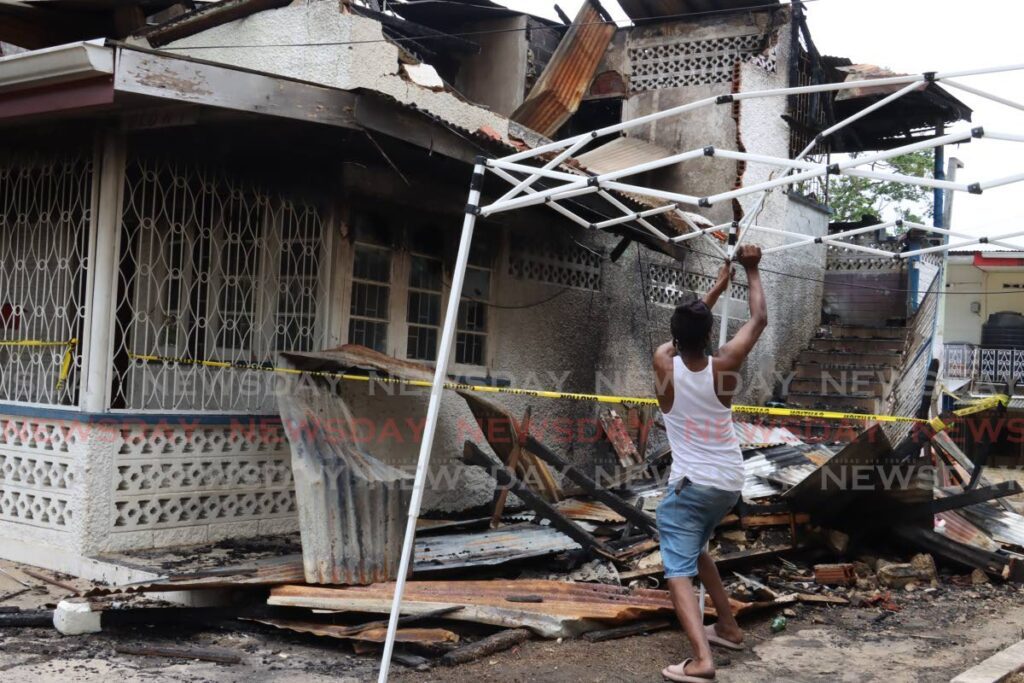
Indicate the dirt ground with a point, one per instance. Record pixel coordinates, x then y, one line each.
936 634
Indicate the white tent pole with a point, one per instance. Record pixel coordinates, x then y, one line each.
693 226
645 223
433 410
840 167
528 182
1008 137
999 182
965 243
982 93
702 231
555 193
961 235
574 217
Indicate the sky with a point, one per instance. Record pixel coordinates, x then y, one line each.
914 36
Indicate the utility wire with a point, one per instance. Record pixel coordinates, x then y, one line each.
464 34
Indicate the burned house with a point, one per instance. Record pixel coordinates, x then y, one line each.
186 192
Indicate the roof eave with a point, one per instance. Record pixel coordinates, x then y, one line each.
60 64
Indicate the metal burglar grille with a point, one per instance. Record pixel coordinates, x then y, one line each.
668 285
211 268
570 266
45 209
695 62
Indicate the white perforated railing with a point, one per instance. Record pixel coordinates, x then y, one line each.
211 268
45 210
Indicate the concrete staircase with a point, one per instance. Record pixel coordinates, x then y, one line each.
846 368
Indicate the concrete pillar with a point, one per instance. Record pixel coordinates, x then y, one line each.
102 277
94 447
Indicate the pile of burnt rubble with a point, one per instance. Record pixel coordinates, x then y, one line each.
565 556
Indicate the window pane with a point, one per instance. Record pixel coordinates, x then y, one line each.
372 264
424 308
368 333
425 274
469 348
370 301
422 343
477 284
472 316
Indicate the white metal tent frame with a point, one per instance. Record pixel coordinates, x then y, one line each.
515 170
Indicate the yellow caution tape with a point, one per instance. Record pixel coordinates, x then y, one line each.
66 360
592 397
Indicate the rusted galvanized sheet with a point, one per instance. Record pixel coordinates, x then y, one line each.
352 507
558 92
955 526
424 637
566 609
589 510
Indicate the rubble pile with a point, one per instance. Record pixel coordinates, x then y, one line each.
581 560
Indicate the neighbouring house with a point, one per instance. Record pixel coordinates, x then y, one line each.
189 189
983 336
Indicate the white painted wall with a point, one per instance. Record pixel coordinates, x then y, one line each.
353 54
964 286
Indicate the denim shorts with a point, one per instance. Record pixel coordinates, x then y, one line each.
686 518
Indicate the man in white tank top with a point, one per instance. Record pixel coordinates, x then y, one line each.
695 394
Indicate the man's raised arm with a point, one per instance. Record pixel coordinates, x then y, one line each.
721 285
736 350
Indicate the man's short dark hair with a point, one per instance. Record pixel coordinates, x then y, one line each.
691 326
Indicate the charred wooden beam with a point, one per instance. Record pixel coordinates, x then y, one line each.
206 18
639 518
497 642
473 455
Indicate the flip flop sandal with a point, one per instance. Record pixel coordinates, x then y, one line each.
718 640
681 676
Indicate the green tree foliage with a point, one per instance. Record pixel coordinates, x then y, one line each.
852 198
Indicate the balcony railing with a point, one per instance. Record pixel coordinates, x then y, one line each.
967 361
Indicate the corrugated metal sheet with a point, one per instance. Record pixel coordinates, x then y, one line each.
955 526
558 92
431 553
566 609
1002 525
352 507
494 546
593 511
621 153
770 471
760 436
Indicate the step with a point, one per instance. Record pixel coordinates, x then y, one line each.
881 373
858 345
833 359
867 404
866 332
848 383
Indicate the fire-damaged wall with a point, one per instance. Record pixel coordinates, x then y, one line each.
668 64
